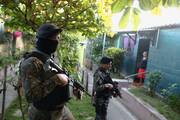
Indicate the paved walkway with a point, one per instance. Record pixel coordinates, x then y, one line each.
11 94
116 111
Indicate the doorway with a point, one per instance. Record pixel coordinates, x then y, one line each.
144 45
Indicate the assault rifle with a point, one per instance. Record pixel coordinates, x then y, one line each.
74 82
116 91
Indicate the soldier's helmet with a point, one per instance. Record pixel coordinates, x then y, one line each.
48 30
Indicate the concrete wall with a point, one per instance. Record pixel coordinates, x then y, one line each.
166 58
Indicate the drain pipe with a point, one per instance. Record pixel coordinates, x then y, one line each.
157 39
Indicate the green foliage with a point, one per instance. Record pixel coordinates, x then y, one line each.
68 50
82 109
6 60
97 46
174 102
14 107
132 13
169 90
80 15
5 37
153 81
173 3
157 103
172 98
119 5
135 17
118 55
148 4
125 18
29 41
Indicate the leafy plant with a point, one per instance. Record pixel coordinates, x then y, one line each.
131 9
153 81
156 102
174 102
169 90
118 55
86 16
68 50
5 60
173 99
96 46
29 41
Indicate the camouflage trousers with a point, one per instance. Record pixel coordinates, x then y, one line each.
101 106
62 114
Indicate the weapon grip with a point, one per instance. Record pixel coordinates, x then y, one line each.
57 67
61 70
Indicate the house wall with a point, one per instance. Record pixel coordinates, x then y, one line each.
117 41
129 62
166 58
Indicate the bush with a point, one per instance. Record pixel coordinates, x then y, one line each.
68 51
174 102
171 98
5 37
153 82
118 55
94 49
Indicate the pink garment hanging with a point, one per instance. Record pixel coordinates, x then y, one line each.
17 34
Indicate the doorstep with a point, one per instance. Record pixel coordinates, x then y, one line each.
142 110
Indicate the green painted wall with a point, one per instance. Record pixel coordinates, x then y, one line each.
166 57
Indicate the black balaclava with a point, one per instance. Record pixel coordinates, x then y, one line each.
44 34
47 46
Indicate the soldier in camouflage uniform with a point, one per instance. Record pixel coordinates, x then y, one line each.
102 89
44 88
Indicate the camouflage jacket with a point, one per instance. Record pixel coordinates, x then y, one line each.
36 81
101 77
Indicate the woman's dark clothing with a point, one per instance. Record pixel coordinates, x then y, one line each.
143 64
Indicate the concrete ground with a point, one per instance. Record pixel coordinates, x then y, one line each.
116 111
11 94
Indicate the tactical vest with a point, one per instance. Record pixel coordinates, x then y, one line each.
58 96
106 93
